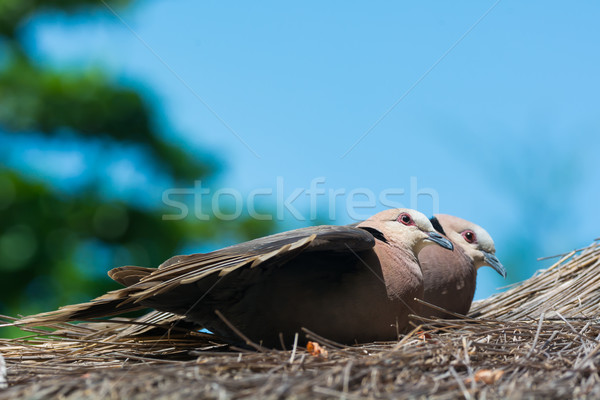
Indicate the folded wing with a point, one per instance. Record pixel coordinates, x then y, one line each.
184 280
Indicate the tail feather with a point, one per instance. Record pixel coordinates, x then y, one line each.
112 303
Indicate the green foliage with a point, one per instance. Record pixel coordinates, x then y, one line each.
56 246
14 12
34 99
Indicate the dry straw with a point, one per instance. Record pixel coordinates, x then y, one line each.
541 338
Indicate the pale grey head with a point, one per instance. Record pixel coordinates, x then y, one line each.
472 238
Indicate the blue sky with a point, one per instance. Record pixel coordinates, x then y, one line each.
503 123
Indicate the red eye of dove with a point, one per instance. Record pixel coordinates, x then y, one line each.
406 219
469 236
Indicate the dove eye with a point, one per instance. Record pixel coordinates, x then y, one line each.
405 219
469 236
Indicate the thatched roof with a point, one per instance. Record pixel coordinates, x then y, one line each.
541 338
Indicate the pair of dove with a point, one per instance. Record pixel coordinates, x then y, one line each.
350 284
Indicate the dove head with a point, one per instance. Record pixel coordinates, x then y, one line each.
473 239
404 227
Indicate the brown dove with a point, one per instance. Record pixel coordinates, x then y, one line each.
449 277
349 284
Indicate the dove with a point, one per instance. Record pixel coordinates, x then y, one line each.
449 277
350 284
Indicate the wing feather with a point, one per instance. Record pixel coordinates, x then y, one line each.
267 252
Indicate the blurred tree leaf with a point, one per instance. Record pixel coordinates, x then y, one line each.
34 99
14 12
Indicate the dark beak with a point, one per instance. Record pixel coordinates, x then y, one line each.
439 239
493 262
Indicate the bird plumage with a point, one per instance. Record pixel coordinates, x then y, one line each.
350 284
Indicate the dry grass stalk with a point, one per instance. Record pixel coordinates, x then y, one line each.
569 288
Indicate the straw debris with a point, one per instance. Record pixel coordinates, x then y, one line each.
541 338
